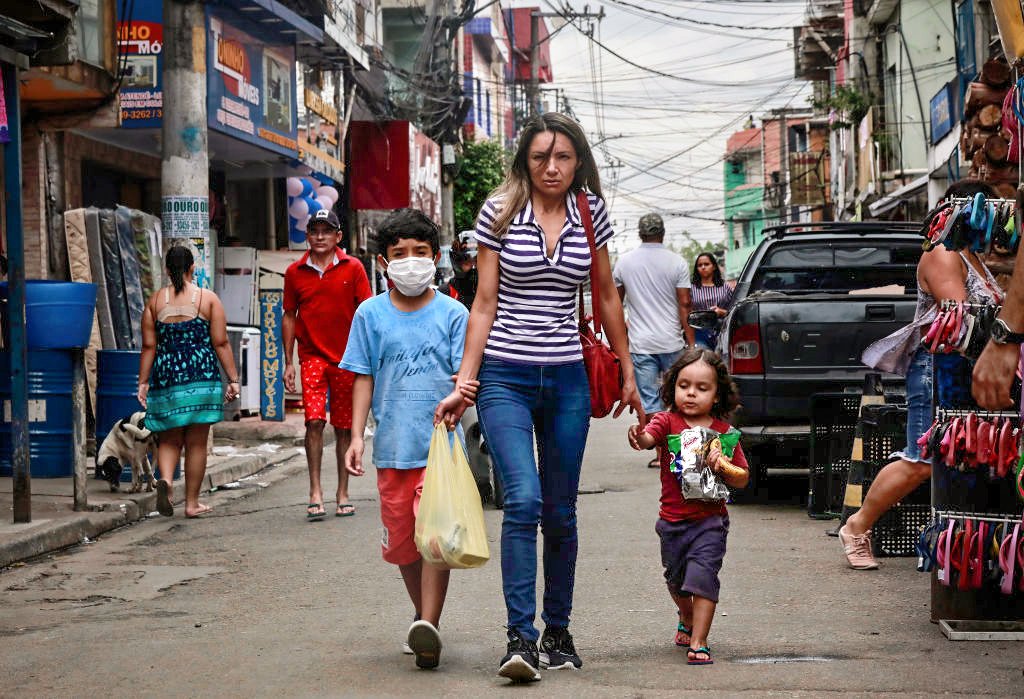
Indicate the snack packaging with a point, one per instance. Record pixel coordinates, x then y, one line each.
688 452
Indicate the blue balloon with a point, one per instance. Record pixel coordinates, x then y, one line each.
297 235
307 189
314 206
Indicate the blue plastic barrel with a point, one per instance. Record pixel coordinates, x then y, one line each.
117 388
58 315
49 421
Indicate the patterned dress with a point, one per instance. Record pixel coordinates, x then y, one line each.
185 385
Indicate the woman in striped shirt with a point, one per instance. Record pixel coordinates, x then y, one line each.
708 292
523 351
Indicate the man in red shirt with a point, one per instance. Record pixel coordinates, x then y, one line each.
321 292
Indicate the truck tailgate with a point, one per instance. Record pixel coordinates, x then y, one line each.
824 332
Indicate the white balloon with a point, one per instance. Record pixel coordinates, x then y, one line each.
299 209
313 184
325 192
304 221
294 186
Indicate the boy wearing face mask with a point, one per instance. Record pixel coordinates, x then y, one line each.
404 347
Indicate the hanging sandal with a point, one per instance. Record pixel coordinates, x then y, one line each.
683 635
692 659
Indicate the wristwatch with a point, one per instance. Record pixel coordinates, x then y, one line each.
1002 335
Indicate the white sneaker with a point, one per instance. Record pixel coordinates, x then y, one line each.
858 550
425 643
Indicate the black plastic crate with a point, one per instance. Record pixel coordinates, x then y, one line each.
897 531
884 431
833 423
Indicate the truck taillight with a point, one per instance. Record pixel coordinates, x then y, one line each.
745 350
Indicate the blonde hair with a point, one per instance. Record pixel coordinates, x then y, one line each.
513 193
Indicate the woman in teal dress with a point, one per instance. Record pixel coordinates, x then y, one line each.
184 334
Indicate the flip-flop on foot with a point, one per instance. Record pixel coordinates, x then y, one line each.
345 509
203 509
163 499
683 635
693 656
315 511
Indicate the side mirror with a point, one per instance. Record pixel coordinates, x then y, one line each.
702 320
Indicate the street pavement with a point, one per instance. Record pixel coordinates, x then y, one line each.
253 600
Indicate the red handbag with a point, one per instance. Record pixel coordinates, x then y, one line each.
604 372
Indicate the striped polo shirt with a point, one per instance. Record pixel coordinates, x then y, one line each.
536 318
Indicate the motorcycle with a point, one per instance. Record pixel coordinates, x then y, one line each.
707 323
487 480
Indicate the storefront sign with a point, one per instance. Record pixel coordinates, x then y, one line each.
250 87
271 364
140 40
318 126
941 108
425 175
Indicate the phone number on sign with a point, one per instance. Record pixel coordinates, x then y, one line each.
127 115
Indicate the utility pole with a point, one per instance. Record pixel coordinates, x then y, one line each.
184 195
533 89
21 470
448 149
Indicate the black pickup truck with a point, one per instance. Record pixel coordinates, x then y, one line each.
810 298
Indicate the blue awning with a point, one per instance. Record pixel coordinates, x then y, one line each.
274 20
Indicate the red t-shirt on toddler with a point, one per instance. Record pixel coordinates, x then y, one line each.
674 508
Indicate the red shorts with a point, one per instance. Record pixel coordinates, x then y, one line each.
400 490
320 378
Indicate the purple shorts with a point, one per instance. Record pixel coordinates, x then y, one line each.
692 552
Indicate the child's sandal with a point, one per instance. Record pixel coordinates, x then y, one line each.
692 659
683 635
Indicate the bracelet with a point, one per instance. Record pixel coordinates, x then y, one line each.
143 383
231 382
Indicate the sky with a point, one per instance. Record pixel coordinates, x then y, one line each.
659 127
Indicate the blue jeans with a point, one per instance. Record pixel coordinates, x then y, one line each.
919 404
648 369
516 402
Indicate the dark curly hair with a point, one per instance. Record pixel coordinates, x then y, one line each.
407 223
716 277
728 398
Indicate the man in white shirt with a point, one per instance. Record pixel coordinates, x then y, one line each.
654 284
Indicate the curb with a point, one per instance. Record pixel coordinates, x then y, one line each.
47 537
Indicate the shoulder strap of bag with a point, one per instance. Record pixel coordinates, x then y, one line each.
583 204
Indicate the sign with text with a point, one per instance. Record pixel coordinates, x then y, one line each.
250 86
941 110
318 130
271 361
140 43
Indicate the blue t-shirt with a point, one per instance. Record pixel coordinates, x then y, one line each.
411 357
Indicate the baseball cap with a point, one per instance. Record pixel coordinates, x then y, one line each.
651 224
324 216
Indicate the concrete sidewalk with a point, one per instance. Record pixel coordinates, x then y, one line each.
241 449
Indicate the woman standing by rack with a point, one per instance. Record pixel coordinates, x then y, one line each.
942 274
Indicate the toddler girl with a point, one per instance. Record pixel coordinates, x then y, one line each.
699 393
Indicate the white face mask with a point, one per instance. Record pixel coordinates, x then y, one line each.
412 275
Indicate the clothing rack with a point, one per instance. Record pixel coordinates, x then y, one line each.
943 413
979 517
965 200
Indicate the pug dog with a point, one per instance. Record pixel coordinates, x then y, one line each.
129 442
